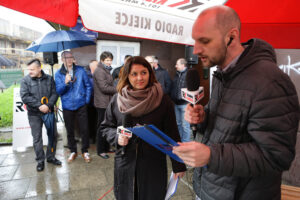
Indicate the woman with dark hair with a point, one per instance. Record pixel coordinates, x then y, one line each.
141 172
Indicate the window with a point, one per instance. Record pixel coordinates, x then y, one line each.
118 49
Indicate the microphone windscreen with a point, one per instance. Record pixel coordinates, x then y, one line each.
127 121
192 80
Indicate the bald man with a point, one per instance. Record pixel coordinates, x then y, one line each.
250 123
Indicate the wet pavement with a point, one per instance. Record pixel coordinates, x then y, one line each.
77 180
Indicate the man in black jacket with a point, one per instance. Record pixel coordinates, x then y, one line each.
180 104
35 88
250 124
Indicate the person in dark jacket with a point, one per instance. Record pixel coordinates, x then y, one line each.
251 120
180 104
117 70
34 87
162 76
141 173
104 89
92 112
74 88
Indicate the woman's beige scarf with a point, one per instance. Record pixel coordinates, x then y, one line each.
139 102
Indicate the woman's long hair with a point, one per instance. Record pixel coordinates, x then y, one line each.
124 80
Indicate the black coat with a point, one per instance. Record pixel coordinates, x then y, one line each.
33 89
177 84
141 163
162 76
251 126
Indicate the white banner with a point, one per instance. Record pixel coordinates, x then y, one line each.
163 20
21 129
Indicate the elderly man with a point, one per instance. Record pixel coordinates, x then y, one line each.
251 121
35 87
73 85
161 74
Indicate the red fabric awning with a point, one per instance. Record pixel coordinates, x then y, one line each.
276 21
64 12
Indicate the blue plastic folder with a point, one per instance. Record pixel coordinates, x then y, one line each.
156 138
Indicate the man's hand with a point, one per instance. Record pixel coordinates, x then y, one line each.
68 78
123 140
193 154
194 114
44 108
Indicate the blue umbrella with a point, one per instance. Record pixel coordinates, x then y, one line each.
49 120
57 41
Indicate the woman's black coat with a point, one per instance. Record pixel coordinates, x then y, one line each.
141 173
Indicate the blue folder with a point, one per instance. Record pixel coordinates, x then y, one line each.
156 138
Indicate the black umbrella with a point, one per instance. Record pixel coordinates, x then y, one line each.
6 62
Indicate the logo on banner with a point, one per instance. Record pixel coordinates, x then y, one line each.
20 106
183 5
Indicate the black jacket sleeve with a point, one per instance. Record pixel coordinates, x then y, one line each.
170 128
53 95
26 96
272 124
110 123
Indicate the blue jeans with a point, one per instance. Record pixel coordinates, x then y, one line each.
183 125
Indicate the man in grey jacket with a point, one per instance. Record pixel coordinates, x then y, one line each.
36 87
250 124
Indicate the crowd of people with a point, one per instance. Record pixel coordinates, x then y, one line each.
244 149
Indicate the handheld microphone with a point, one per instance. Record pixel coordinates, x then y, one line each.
71 73
193 93
122 130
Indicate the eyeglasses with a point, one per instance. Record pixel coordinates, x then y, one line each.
68 57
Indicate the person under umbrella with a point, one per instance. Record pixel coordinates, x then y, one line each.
34 87
74 88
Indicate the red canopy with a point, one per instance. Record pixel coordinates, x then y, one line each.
275 21
64 12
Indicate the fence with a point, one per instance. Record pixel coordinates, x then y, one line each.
10 76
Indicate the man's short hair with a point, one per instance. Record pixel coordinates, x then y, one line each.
65 52
182 61
106 54
35 60
127 56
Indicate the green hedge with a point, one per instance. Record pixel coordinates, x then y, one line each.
6 106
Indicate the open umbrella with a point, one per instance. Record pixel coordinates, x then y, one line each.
57 41
5 61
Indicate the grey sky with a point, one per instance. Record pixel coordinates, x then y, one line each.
25 20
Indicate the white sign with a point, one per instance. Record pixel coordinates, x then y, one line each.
21 129
168 20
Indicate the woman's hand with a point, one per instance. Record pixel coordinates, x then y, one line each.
123 140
